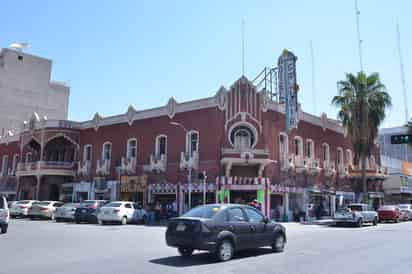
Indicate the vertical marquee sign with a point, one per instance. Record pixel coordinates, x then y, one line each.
288 88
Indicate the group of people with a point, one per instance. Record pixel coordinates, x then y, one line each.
156 212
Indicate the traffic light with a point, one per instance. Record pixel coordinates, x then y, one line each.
401 139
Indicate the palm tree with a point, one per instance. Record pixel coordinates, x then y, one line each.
362 101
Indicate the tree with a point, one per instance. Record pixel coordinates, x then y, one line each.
362 101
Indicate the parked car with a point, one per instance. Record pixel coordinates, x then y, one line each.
21 208
407 208
224 229
44 209
389 213
119 212
356 214
4 215
65 212
10 204
87 211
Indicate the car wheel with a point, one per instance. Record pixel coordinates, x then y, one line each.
124 220
225 250
278 243
58 220
359 223
4 229
396 220
185 252
100 222
77 221
375 221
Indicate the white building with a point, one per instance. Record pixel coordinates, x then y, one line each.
25 87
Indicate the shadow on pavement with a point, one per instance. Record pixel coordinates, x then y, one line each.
206 258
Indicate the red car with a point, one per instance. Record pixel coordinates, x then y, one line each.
390 213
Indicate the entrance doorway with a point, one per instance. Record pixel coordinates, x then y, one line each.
54 192
242 196
276 207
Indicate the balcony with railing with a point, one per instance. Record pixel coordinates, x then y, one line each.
373 171
189 161
103 167
329 168
46 168
301 164
313 167
343 171
128 165
84 168
158 163
287 163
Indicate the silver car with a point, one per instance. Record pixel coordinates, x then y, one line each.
356 214
44 209
4 215
407 209
65 212
21 208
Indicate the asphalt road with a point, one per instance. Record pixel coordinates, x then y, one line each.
43 247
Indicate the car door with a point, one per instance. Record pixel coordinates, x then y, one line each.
129 210
238 225
260 232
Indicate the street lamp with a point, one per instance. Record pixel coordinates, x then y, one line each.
189 175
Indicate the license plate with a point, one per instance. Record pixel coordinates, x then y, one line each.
181 227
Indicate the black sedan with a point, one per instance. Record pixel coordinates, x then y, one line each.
224 229
87 211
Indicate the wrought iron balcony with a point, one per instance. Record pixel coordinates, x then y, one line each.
128 165
301 164
158 163
46 168
188 161
329 168
287 163
103 167
84 168
314 167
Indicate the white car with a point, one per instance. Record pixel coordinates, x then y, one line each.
4 215
21 208
407 208
44 209
120 212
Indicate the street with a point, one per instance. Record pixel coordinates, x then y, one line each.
45 247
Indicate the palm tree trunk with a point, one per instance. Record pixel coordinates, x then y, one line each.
364 179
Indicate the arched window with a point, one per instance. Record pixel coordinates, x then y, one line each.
310 149
243 137
87 153
192 142
339 156
283 145
298 146
326 155
107 151
161 145
132 148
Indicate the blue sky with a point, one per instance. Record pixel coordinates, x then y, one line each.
117 53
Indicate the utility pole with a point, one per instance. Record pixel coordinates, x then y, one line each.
359 36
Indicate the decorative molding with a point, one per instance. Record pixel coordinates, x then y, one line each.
171 107
96 121
243 116
131 112
221 98
60 134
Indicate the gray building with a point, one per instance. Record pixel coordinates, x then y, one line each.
398 187
26 87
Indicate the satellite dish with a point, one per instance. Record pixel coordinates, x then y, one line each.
20 46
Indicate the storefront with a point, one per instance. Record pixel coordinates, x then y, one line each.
163 195
82 191
198 194
375 199
134 188
320 203
343 199
286 203
66 192
105 190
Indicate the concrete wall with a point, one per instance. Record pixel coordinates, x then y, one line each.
25 87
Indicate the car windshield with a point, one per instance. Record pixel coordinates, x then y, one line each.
113 205
355 207
88 203
22 202
387 208
42 203
206 212
404 206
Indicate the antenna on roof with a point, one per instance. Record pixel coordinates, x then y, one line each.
359 36
243 46
405 98
313 77
20 46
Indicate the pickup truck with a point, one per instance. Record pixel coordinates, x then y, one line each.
356 214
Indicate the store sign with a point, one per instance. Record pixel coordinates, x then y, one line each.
407 168
133 183
288 87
